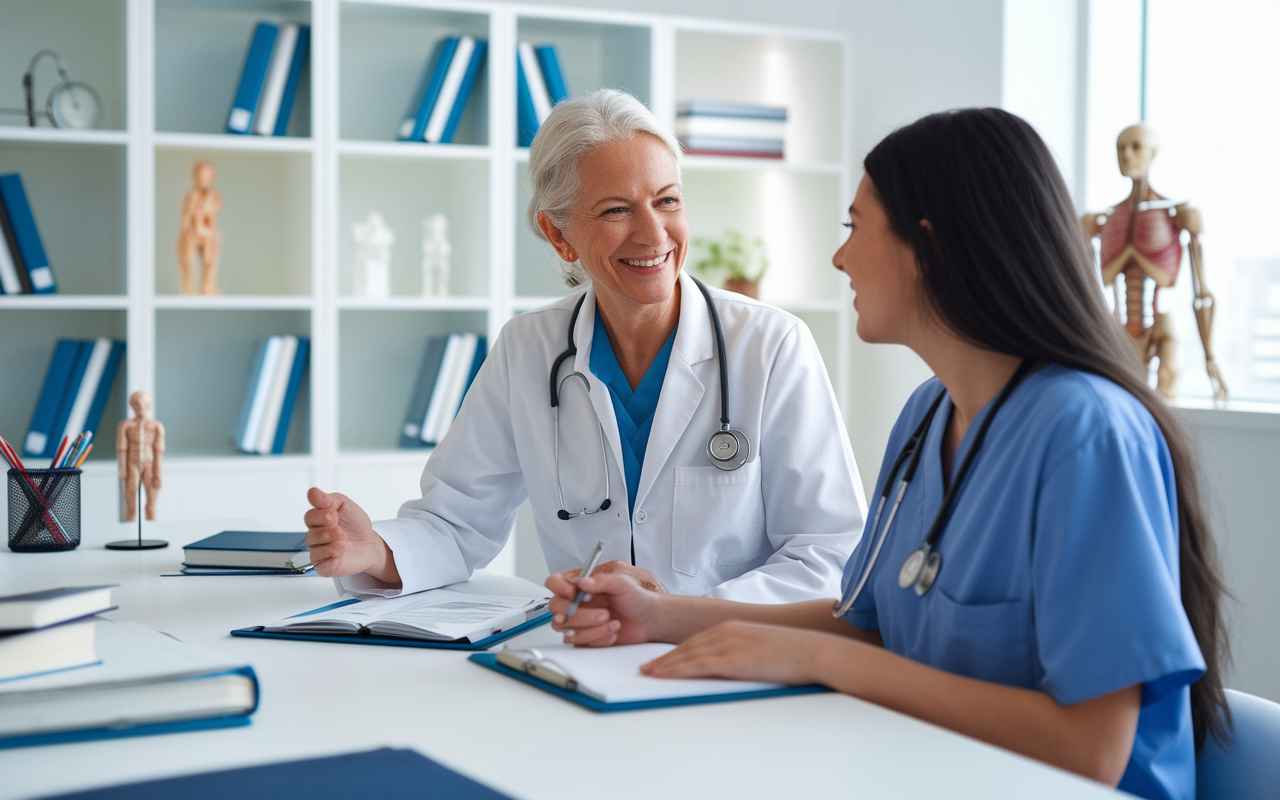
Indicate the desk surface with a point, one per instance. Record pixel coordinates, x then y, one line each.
321 699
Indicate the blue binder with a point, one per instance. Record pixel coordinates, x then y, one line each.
549 60
291 394
55 381
291 83
411 433
254 74
424 97
259 632
526 114
68 398
103 394
464 91
25 235
490 661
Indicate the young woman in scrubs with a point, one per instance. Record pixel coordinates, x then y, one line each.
1074 615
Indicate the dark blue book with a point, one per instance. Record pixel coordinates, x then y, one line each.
291 394
296 64
464 91
424 96
26 238
411 433
386 774
79 363
252 77
252 549
475 367
549 60
41 429
47 607
526 114
103 393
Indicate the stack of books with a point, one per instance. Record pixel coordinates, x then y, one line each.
269 80
248 553
76 388
436 107
448 368
49 631
708 128
271 395
539 86
24 267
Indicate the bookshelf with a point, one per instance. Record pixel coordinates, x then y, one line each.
107 204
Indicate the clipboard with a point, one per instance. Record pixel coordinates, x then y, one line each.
490 661
260 632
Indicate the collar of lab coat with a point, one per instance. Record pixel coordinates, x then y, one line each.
682 391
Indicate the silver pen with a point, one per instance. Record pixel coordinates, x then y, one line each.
592 558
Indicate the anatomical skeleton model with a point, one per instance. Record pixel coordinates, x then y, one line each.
1141 254
139 450
199 233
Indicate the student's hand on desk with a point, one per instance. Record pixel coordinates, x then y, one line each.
745 651
342 540
620 607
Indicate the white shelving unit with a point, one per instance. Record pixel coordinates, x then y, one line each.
107 205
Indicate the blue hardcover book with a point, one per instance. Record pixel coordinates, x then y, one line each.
424 97
475 367
464 91
55 383
68 399
549 60
254 74
385 774
26 238
103 394
246 408
295 74
411 433
526 114
291 394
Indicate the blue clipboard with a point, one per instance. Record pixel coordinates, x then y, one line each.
258 632
490 661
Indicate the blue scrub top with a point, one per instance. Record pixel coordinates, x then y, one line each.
1059 562
633 408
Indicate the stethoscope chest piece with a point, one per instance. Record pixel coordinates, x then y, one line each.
728 449
920 570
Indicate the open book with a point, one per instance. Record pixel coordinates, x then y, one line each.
440 615
609 678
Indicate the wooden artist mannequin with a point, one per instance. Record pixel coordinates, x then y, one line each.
1141 241
199 233
139 449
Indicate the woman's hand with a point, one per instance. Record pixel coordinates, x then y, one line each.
747 651
342 539
621 605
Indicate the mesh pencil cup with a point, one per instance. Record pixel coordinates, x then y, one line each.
44 510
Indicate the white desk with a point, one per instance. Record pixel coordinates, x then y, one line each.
320 699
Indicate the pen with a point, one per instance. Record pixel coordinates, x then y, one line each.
592 558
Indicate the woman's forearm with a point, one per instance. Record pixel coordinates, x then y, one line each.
681 616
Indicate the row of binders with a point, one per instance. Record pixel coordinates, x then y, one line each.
24 267
269 80
540 85
76 388
436 106
711 128
272 392
69 675
448 368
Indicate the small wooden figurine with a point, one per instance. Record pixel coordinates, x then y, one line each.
199 233
436 251
139 450
373 256
1142 249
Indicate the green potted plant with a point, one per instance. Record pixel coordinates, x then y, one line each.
735 261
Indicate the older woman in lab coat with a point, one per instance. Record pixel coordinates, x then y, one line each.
639 392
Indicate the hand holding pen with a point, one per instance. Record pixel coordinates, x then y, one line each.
592 558
617 608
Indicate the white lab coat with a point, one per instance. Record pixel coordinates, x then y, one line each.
778 529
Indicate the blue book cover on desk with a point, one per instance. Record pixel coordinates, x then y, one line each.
26 237
55 383
385 774
423 99
252 78
253 541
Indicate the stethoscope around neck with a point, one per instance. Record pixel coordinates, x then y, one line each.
920 570
727 448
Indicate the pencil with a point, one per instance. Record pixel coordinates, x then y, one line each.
53 464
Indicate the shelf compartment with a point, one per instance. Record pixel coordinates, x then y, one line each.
265 220
796 214
383 51
77 194
200 49
805 75
89 35
537 265
405 193
203 361
379 355
27 339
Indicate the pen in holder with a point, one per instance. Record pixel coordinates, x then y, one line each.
44 510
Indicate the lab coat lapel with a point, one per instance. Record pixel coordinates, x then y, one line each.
682 391
599 394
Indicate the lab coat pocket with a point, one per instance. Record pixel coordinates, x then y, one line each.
988 641
718 518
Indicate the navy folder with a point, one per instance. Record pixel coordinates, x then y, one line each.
386 774
260 632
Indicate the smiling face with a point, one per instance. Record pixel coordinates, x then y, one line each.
628 227
882 271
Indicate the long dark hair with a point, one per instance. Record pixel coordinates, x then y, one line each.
1006 265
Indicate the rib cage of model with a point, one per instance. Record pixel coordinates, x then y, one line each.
1142 253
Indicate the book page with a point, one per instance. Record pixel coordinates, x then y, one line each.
437 614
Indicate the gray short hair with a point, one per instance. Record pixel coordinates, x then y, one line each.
574 128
